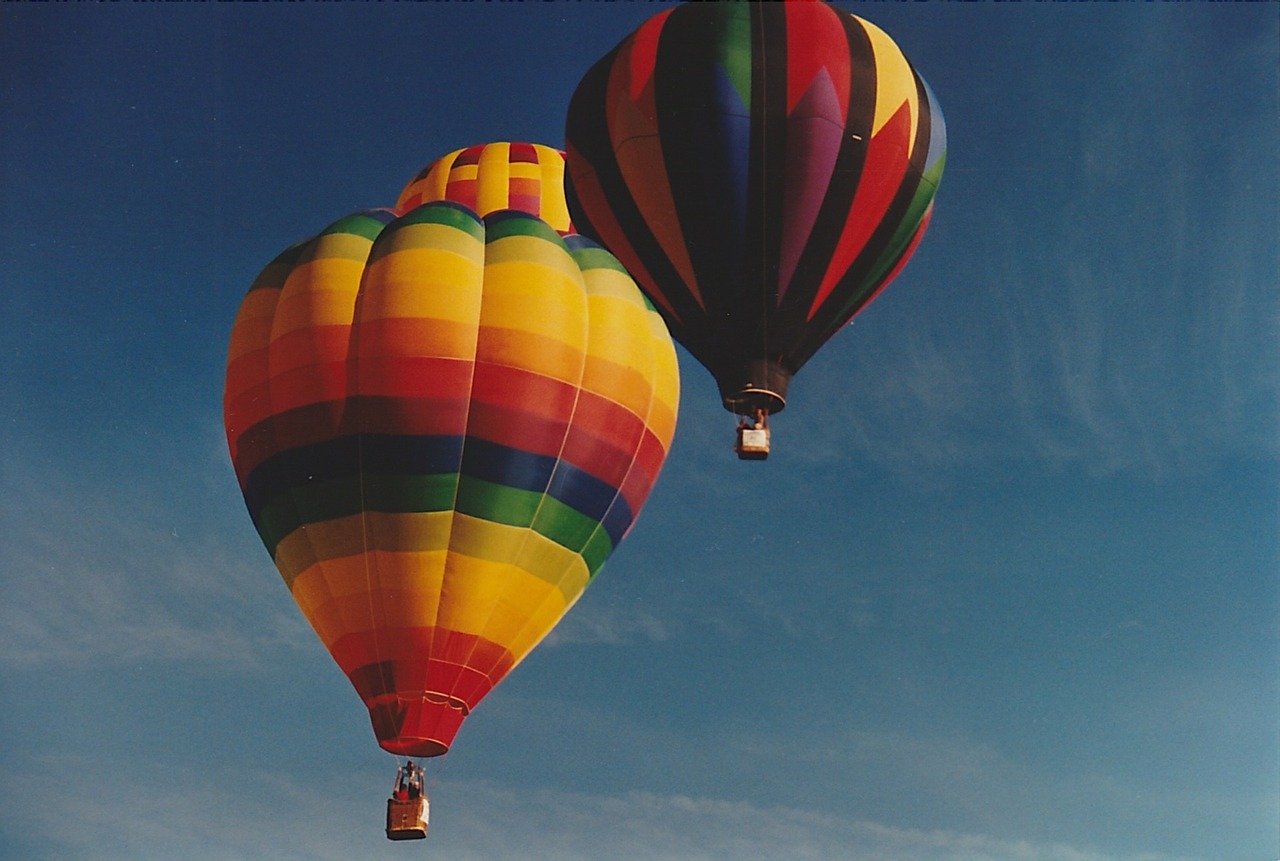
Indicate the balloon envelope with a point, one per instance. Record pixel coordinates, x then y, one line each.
762 170
443 425
490 177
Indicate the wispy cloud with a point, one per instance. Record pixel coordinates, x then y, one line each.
606 626
220 814
95 572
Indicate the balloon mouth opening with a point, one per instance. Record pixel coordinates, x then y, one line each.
418 748
758 385
423 725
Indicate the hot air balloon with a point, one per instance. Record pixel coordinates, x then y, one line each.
763 170
443 423
490 177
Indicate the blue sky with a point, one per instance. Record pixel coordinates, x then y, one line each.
1007 588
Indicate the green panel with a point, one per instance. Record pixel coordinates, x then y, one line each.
443 213
597 551
359 225
526 225
566 526
495 502
733 46
589 258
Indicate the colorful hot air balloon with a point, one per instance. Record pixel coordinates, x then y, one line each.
489 177
442 425
762 170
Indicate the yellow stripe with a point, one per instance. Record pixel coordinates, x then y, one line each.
252 329
555 209
666 402
423 282
620 333
517 545
524 170
493 171
535 298
895 83
345 537
432 186
550 357
502 602
377 589
318 293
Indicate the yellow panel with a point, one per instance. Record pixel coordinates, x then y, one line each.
522 248
423 283
321 292
386 588
551 357
349 536
327 612
427 235
520 628
494 598
666 401
493 171
528 637
624 386
620 332
555 209
252 328
351 246
895 82
520 546
610 282
532 298
524 170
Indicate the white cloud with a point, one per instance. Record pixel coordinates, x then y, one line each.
223 815
102 572
591 625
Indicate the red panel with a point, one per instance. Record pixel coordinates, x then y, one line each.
523 390
410 416
412 377
886 164
815 40
517 428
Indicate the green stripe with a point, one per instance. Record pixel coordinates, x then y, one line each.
547 516
357 224
597 551
733 46
597 258
524 225
443 213
329 500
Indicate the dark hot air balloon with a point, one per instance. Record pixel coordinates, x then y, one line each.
763 170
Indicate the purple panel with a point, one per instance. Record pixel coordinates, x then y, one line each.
814 133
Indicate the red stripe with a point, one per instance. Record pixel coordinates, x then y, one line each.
412 376
885 166
410 416
523 153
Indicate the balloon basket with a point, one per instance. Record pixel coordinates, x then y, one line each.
407 819
752 444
